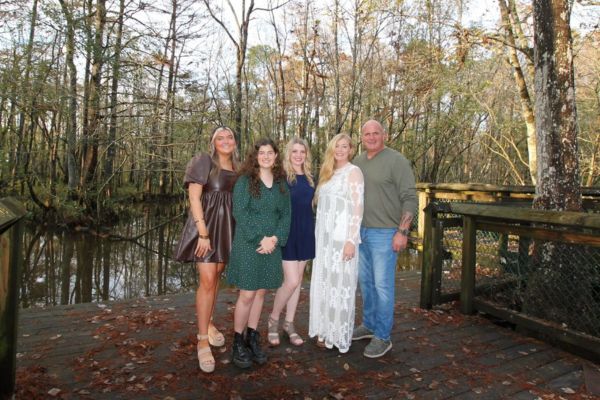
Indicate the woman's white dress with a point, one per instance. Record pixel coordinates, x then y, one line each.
333 281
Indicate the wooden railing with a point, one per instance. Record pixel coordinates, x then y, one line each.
524 227
467 192
11 231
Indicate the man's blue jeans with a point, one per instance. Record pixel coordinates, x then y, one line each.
376 275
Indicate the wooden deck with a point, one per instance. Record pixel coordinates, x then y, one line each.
145 349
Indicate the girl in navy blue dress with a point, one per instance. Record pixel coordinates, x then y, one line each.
300 246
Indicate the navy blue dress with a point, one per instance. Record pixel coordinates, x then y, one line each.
301 240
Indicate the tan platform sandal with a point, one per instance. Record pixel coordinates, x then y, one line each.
206 361
215 337
290 331
273 332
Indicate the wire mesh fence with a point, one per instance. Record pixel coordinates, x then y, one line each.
553 281
557 282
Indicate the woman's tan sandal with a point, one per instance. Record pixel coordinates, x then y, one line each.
290 330
273 329
215 338
206 361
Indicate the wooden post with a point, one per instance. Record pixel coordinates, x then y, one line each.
11 233
467 284
423 203
427 258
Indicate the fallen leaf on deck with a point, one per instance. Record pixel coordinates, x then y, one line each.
433 385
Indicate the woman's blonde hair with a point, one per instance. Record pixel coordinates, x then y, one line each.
235 157
328 166
306 166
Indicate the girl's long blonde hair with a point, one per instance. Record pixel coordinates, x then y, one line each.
328 166
306 166
235 157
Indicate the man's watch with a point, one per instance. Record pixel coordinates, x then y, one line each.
404 232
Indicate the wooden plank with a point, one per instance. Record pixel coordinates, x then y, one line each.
461 187
509 189
450 222
10 212
567 218
438 352
589 343
591 374
11 264
540 233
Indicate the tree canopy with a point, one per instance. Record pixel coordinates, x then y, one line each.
104 99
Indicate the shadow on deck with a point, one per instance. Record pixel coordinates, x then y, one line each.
145 348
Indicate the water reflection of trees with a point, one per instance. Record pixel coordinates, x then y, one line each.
125 261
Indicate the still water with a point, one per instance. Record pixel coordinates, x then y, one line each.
126 261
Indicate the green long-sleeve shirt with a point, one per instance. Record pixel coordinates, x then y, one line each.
389 188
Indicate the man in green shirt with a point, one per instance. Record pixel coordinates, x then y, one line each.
390 204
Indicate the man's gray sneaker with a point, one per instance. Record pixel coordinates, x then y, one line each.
377 348
361 332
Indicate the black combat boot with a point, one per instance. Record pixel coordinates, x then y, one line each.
242 357
253 343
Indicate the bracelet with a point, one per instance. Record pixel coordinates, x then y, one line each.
404 232
203 236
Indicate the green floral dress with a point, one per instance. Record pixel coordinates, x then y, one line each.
255 218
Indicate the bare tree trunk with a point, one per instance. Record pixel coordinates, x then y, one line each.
28 98
558 186
239 78
592 164
509 22
90 155
148 181
280 86
307 57
336 60
168 113
71 131
112 130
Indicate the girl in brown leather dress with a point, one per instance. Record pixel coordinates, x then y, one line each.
207 235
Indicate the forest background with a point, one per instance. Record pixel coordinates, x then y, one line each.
104 101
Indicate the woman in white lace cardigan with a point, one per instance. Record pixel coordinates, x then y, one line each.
339 198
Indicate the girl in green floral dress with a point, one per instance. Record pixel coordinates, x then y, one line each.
261 208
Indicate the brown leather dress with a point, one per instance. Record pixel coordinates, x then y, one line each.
216 202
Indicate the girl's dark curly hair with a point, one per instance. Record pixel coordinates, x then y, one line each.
251 169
